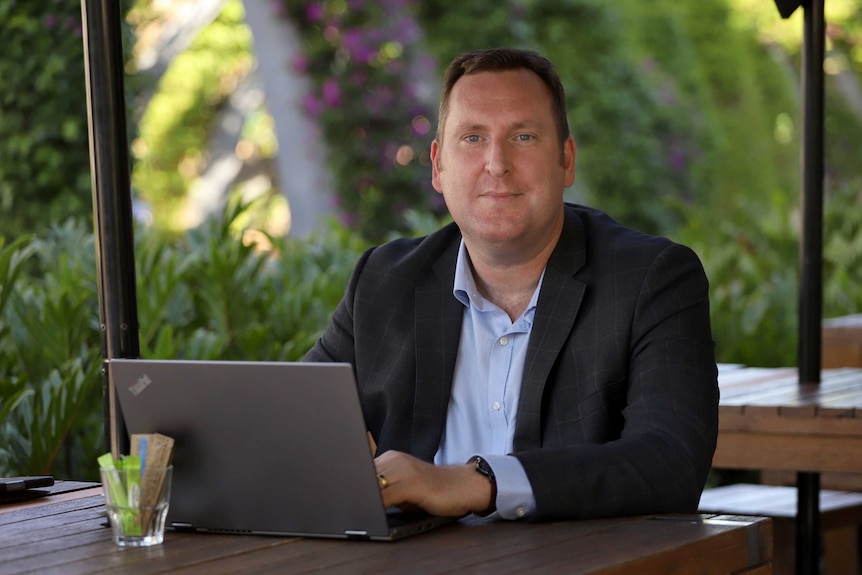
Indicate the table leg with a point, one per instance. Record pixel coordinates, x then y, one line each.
808 524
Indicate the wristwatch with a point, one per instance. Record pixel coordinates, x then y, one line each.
484 468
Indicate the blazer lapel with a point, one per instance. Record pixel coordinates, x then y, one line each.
438 331
556 311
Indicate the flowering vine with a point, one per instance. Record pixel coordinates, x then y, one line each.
369 96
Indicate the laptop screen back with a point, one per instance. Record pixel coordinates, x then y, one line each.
260 447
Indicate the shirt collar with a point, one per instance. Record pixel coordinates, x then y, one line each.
465 291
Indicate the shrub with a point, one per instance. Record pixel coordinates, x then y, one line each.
213 294
44 162
369 78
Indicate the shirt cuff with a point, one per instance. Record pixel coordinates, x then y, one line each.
515 499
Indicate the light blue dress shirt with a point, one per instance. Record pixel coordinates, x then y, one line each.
486 387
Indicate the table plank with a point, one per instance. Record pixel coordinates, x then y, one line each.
789 392
571 547
70 537
756 420
791 452
672 546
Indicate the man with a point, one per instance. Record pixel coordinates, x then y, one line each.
572 355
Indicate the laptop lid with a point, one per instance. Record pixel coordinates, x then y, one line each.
260 447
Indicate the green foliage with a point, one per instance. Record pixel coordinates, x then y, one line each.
213 294
842 251
628 146
44 162
451 26
12 258
753 283
50 358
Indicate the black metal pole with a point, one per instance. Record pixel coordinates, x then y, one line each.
112 203
811 266
811 245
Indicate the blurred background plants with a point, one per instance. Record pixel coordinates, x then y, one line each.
371 78
220 292
686 116
43 116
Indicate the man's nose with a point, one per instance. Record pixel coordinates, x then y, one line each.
499 162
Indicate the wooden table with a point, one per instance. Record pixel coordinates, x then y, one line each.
69 537
768 420
842 341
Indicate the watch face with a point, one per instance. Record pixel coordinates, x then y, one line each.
485 469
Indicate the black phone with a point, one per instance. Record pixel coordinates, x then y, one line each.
12 484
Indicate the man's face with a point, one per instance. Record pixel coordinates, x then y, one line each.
500 168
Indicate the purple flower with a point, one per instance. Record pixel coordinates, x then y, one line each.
359 78
393 5
50 21
300 63
379 100
331 93
395 67
356 46
314 12
312 106
425 64
407 31
677 158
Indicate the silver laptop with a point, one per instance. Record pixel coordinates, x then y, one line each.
263 447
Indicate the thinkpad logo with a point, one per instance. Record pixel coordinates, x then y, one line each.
141 385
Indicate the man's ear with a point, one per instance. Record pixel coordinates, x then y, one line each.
435 166
569 153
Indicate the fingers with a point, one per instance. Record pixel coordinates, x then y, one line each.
392 467
408 482
400 478
382 481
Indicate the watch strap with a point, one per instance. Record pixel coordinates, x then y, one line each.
484 468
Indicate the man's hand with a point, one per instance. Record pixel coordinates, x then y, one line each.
444 490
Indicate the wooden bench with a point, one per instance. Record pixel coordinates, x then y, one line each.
840 518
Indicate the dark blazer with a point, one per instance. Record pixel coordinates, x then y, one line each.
619 402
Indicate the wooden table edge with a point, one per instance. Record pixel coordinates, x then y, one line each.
49 499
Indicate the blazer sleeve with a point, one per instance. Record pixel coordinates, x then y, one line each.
659 458
336 344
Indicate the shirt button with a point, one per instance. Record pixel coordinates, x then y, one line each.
504 340
497 406
520 511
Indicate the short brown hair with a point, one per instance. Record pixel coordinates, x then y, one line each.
503 60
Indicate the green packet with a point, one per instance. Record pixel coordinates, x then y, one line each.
125 497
